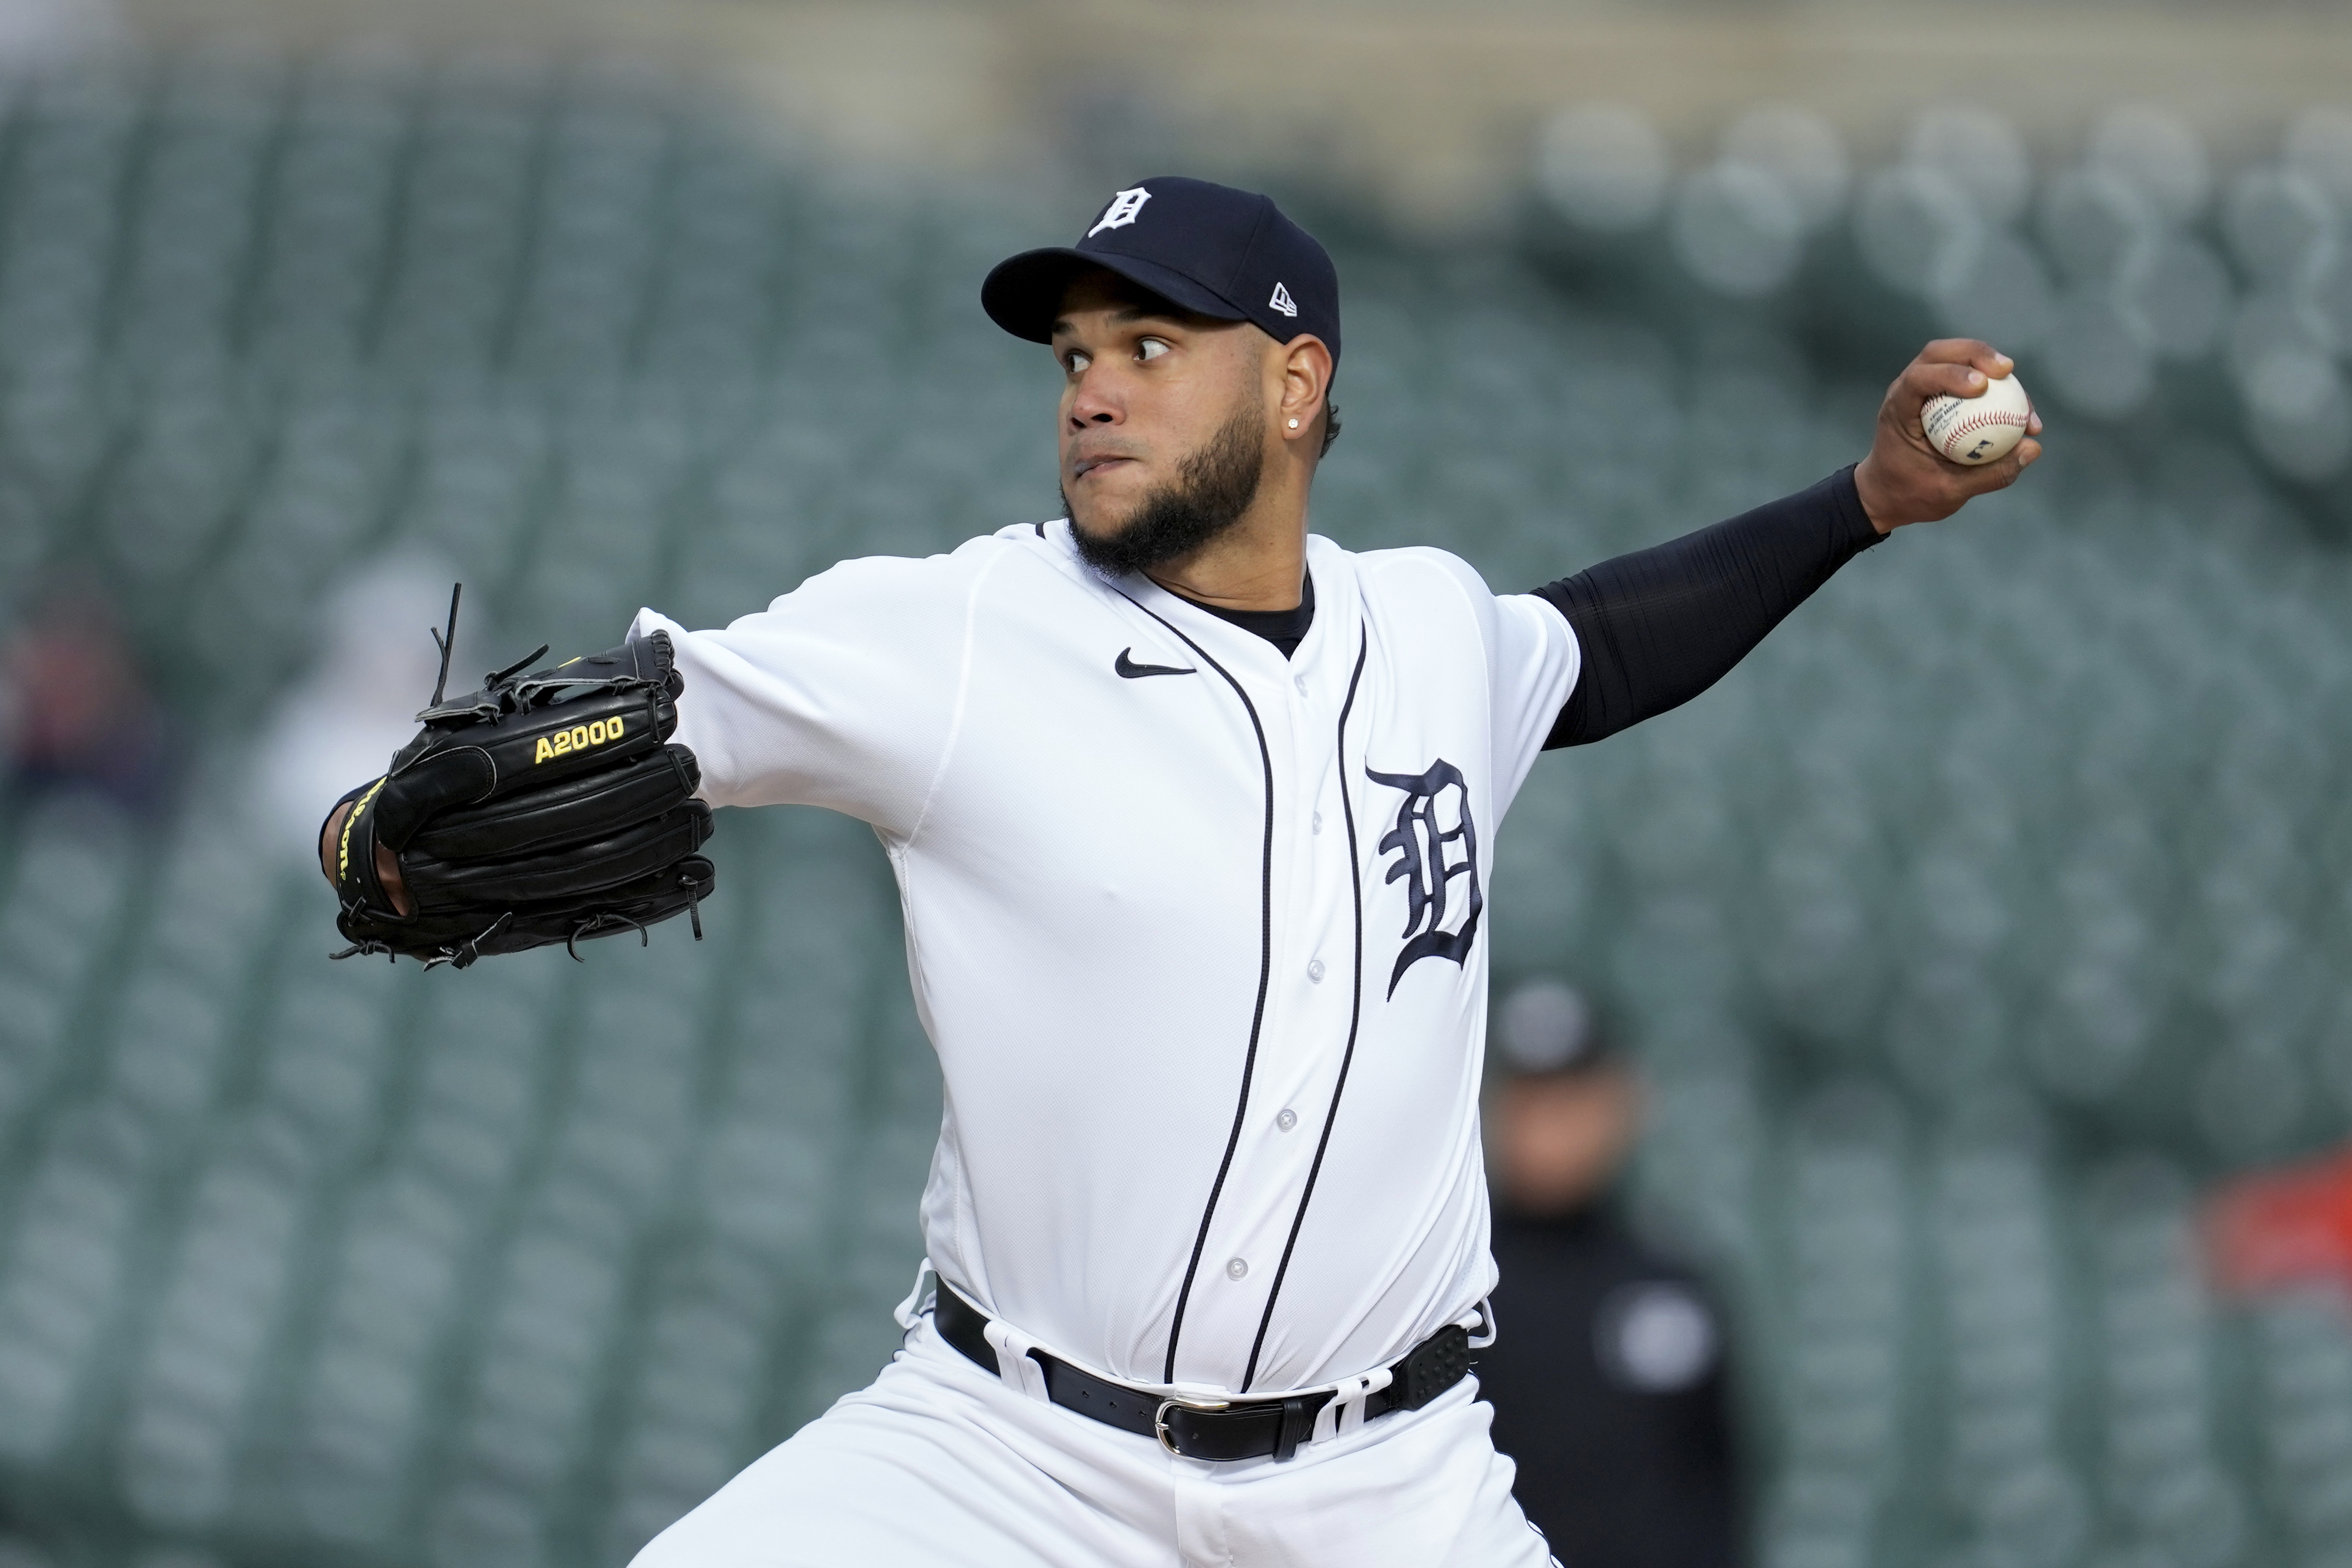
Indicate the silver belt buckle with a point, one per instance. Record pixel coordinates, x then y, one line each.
1159 1418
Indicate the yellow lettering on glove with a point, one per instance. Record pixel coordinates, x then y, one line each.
578 738
350 820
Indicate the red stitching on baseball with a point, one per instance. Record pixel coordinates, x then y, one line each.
1977 421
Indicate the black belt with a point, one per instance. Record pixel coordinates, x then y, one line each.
1212 1429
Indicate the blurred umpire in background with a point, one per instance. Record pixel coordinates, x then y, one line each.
1609 1389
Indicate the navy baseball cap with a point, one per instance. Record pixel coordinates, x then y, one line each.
1212 250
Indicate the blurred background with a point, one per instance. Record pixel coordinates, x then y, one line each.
1968 940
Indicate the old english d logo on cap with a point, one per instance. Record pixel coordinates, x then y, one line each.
1123 210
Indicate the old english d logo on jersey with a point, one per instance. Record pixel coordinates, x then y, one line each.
1435 842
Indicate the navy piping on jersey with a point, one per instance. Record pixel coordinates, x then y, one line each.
1265 974
1355 1017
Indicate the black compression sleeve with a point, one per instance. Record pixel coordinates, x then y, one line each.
1661 626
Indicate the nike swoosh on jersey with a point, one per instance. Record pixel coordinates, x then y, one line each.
1131 670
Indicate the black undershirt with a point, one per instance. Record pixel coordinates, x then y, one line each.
1285 629
1660 625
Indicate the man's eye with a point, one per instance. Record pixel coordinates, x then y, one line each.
1151 349
1076 363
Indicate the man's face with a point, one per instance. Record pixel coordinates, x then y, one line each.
1163 422
1557 1140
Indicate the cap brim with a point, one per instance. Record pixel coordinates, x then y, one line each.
1024 294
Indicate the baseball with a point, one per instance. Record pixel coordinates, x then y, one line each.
1979 429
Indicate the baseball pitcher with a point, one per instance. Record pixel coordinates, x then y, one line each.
1192 815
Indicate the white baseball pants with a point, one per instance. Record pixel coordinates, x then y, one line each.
940 1463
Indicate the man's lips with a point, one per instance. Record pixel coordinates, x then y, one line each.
1085 466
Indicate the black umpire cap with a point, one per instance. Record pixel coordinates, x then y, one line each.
1213 250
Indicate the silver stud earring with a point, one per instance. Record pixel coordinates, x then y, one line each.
1293 424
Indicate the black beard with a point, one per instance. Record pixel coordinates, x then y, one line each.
1213 486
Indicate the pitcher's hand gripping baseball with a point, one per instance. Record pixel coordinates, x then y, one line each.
1906 479
543 808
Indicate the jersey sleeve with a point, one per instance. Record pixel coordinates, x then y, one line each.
842 693
1531 654
1533 659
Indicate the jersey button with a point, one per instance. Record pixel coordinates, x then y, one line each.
1237 1269
1314 970
1318 822
1300 682
1287 1120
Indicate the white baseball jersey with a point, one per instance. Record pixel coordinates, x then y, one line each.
1198 933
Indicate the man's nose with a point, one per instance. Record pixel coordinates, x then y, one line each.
1092 406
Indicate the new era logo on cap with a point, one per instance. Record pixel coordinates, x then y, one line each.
1123 210
1210 249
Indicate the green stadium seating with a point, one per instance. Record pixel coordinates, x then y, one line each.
1996 904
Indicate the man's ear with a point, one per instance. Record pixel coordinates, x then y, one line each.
1306 370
